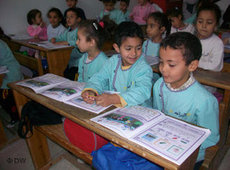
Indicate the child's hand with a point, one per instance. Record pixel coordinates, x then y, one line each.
53 40
42 24
107 99
226 41
88 96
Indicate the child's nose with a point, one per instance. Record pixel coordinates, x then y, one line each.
204 25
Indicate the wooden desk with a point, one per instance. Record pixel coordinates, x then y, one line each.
57 58
38 145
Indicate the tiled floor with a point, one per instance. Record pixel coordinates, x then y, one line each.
15 155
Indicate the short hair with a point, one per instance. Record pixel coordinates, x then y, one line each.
175 12
57 11
127 29
162 20
32 15
126 1
107 1
188 43
210 7
78 11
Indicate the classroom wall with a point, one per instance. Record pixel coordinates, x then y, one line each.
13 12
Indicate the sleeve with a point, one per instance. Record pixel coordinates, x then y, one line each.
99 81
80 70
44 35
32 31
140 90
120 17
217 57
62 37
156 95
73 38
208 117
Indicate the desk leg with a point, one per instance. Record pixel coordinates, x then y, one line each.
37 144
58 60
3 139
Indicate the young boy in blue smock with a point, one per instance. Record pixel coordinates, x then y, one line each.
126 73
178 94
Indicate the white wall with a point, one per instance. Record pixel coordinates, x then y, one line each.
13 12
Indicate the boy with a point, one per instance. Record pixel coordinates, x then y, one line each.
124 4
126 73
178 94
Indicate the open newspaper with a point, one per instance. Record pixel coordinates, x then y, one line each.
61 89
168 137
48 45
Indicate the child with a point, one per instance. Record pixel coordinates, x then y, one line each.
37 28
91 36
141 11
55 28
6 95
114 14
176 17
69 37
73 4
178 94
208 17
124 4
157 25
127 73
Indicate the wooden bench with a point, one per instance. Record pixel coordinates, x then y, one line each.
57 135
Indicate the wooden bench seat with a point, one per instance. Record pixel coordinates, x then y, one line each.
57 135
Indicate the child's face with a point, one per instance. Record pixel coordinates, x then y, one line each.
109 6
153 28
71 3
54 19
38 19
173 67
141 2
72 19
176 21
81 42
205 24
130 50
123 6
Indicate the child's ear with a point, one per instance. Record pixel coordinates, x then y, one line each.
193 65
162 29
78 19
117 49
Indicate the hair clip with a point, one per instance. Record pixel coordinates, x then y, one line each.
101 23
95 25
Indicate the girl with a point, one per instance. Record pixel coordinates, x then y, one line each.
176 17
6 95
208 17
157 25
55 28
114 14
37 28
91 36
69 37
141 11
124 4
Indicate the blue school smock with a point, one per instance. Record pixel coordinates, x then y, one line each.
194 105
151 48
126 15
7 59
87 70
116 15
71 37
134 83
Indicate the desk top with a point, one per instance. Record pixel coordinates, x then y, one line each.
27 44
83 117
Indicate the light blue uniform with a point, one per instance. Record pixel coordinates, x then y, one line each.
194 104
87 70
71 38
116 15
150 48
7 59
134 84
126 15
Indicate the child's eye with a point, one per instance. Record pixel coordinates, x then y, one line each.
128 49
139 48
209 23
